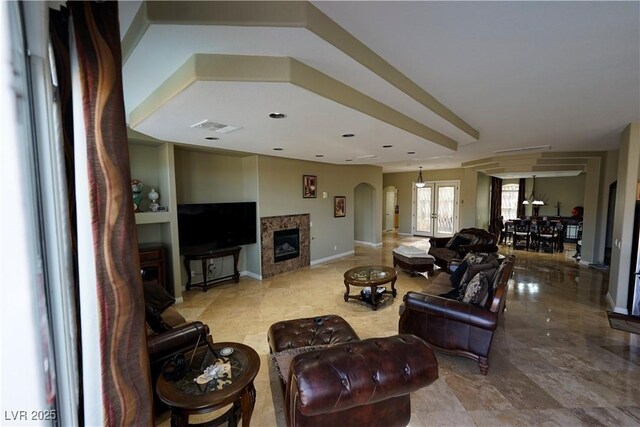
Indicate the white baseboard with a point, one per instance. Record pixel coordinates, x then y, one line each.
585 263
179 300
405 234
332 257
612 305
251 274
373 245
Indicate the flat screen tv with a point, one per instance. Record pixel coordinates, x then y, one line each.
210 226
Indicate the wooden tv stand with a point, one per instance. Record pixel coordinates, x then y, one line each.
205 256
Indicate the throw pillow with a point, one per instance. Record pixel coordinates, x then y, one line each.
473 259
154 321
458 274
477 289
452 294
156 297
457 241
476 268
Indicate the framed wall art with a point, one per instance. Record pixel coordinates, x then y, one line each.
309 186
339 206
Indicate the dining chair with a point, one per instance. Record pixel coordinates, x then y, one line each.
521 235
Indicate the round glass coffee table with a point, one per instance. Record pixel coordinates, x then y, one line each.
187 397
371 276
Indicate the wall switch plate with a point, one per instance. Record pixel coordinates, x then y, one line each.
324 194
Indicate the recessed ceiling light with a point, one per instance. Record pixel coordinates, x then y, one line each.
212 138
319 155
278 149
348 135
277 115
411 152
387 146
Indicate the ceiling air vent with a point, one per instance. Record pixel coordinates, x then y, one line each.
536 147
214 127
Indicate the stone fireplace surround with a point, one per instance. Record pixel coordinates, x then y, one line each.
276 223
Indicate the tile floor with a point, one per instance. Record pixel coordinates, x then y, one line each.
554 361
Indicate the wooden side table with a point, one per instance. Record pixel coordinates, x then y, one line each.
152 264
206 256
186 398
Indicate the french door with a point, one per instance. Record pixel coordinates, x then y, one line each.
435 209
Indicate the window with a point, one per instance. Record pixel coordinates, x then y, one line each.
510 201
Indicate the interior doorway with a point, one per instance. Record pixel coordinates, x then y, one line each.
390 202
435 209
611 214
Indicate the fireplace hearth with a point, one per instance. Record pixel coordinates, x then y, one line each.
277 241
286 244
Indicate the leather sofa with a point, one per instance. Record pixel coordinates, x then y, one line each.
445 249
330 377
457 327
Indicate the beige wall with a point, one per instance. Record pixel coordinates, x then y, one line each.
569 191
610 175
203 177
365 229
403 181
276 185
483 201
207 177
623 238
280 189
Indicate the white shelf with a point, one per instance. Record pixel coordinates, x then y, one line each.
152 217
152 162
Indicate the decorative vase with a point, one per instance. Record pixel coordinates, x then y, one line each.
136 188
153 196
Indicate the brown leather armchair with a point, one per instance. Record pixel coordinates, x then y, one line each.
165 345
363 383
457 327
168 333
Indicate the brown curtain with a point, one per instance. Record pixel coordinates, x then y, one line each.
495 223
521 196
126 388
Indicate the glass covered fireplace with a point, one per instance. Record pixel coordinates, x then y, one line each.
286 244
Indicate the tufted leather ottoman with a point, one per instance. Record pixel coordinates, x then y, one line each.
310 332
289 338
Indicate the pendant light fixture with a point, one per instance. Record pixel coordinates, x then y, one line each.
420 182
533 199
